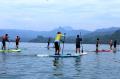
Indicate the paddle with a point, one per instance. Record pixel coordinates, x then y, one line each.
81 42
8 45
8 42
63 43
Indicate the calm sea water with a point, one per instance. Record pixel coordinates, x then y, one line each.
25 65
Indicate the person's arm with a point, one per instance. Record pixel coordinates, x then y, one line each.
62 35
7 39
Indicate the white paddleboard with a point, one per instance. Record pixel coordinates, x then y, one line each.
64 55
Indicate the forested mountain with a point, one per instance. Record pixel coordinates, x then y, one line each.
42 36
89 38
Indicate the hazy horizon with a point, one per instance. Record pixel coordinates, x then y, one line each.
46 15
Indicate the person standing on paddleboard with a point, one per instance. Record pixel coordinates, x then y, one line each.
97 44
111 44
115 44
4 39
48 43
17 42
57 43
78 40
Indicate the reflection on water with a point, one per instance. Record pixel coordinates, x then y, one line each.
114 50
77 61
3 65
57 68
56 62
3 56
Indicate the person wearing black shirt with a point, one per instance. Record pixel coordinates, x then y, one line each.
78 42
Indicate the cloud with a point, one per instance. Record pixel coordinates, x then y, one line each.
52 13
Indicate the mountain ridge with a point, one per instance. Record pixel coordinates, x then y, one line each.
27 35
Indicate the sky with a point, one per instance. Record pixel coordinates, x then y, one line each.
44 15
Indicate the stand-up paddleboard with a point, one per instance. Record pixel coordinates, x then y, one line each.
11 50
104 50
64 55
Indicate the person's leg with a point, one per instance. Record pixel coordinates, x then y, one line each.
55 48
59 51
76 50
48 45
115 46
79 50
96 48
16 45
3 45
55 51
59 48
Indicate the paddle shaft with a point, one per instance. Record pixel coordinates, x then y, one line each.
81 42
63 44
8 45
